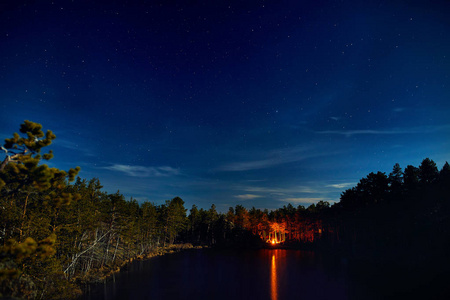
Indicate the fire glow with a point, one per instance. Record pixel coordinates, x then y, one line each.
276 236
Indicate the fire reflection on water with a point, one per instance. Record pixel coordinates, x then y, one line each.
273 281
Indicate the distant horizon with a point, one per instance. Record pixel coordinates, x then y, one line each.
247 204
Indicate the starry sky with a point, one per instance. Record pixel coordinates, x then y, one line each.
258 103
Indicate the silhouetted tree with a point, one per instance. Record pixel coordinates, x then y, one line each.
396 180
349 199
428 172
444 174
411 177
241 216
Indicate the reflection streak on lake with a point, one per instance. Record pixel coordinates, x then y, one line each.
273 286
274 274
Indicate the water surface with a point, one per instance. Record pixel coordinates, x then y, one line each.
272 274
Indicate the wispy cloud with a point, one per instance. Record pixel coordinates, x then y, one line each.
425 129
142 171
247 196
279 191
341 185
304 200
349 133
275 158
252 165
311 192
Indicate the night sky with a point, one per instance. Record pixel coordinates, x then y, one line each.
259 103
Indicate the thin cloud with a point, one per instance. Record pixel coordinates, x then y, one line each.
276 158
256 180
341 185
349 133
282 191
250 165
141 171
304 200
247 196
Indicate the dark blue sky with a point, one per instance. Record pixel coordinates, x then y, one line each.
258 103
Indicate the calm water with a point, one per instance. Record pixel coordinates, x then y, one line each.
273 274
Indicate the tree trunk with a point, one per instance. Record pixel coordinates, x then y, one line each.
23 217
5 162
115 250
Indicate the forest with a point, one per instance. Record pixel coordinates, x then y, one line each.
59 231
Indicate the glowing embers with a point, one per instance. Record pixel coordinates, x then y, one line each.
274 242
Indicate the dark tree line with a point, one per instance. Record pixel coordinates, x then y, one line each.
58 230
405 211
403 216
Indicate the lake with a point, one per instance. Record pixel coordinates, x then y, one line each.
272 274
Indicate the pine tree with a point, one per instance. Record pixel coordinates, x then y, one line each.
411 178
23 179
444 174
173 219
428 171
26 183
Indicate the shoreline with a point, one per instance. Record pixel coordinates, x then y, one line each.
103 275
